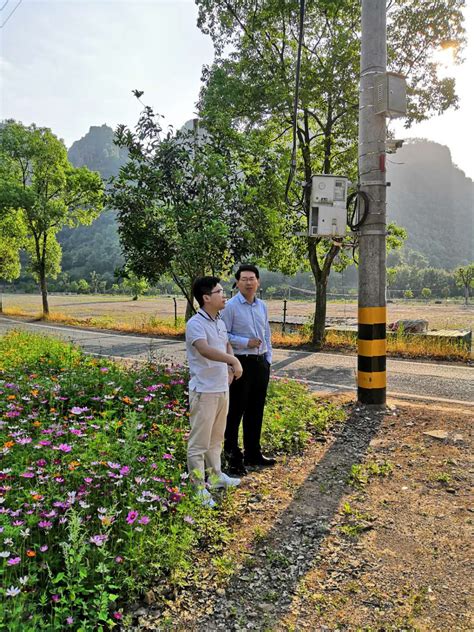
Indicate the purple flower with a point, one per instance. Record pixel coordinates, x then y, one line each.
98 540
168 456
45 524
55 598
119 559
70 620
13 561
132 516
144 520
188 519
43 548
124 470
64 447
77 410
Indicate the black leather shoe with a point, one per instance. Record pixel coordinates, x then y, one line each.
260 461
237 469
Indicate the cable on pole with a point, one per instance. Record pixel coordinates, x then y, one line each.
355 218
295 103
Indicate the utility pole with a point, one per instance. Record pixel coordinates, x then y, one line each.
371 343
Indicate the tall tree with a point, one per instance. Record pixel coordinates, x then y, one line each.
464 276
47 191
185 205
250 88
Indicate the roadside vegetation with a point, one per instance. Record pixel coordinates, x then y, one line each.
399 344
95 502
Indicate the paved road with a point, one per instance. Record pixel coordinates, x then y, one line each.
324 372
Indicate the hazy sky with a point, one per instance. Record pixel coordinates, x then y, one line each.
70 64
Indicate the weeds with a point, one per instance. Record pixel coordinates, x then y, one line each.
361 473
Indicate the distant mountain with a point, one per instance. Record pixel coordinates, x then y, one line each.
434 200
96 150
95 247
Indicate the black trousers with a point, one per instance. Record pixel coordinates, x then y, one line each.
247 401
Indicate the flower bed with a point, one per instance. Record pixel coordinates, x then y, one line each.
95 503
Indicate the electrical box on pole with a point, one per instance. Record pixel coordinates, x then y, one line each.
328 214
390 94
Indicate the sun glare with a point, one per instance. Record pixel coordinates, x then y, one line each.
444 58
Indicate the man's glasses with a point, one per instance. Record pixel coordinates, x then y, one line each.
221 291
248 279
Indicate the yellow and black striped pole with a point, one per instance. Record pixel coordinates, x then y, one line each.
371 355
371 361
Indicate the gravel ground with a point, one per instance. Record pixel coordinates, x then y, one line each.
311 551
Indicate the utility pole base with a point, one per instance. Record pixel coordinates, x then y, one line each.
372 396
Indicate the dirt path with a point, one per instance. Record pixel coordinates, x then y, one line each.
311 551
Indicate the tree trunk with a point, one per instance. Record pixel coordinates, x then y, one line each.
189 307
466 294
44 291
319 323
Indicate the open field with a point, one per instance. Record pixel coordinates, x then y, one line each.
123 309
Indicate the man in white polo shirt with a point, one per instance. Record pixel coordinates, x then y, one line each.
213 367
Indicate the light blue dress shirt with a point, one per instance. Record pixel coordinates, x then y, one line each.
246 320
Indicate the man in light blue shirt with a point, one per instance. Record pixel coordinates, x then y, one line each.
246 319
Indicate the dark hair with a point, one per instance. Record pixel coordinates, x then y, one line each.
247 267
204 285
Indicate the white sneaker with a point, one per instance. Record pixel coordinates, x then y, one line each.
206 499
222 480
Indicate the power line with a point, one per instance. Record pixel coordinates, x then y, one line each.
11 13
5 4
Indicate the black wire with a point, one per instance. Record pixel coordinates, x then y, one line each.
11 13
295 103
352 213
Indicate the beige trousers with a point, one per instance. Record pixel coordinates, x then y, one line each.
207 415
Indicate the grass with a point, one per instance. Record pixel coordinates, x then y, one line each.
96 505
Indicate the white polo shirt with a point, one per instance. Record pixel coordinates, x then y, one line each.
207 376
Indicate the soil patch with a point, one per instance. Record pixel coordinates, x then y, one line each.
368 530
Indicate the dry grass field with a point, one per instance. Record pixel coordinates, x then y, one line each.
136 313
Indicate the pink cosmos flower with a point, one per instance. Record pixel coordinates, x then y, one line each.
144 520
117 615
13 561
64 447
132 516
168 456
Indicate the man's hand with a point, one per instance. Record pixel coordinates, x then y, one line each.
236 367
230 375
254 343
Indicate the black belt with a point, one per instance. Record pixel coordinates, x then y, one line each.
252 356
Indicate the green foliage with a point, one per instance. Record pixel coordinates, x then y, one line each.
48 192
292 417
185 204
12 238
362 473
464 276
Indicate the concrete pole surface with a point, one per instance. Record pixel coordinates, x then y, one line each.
372 255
